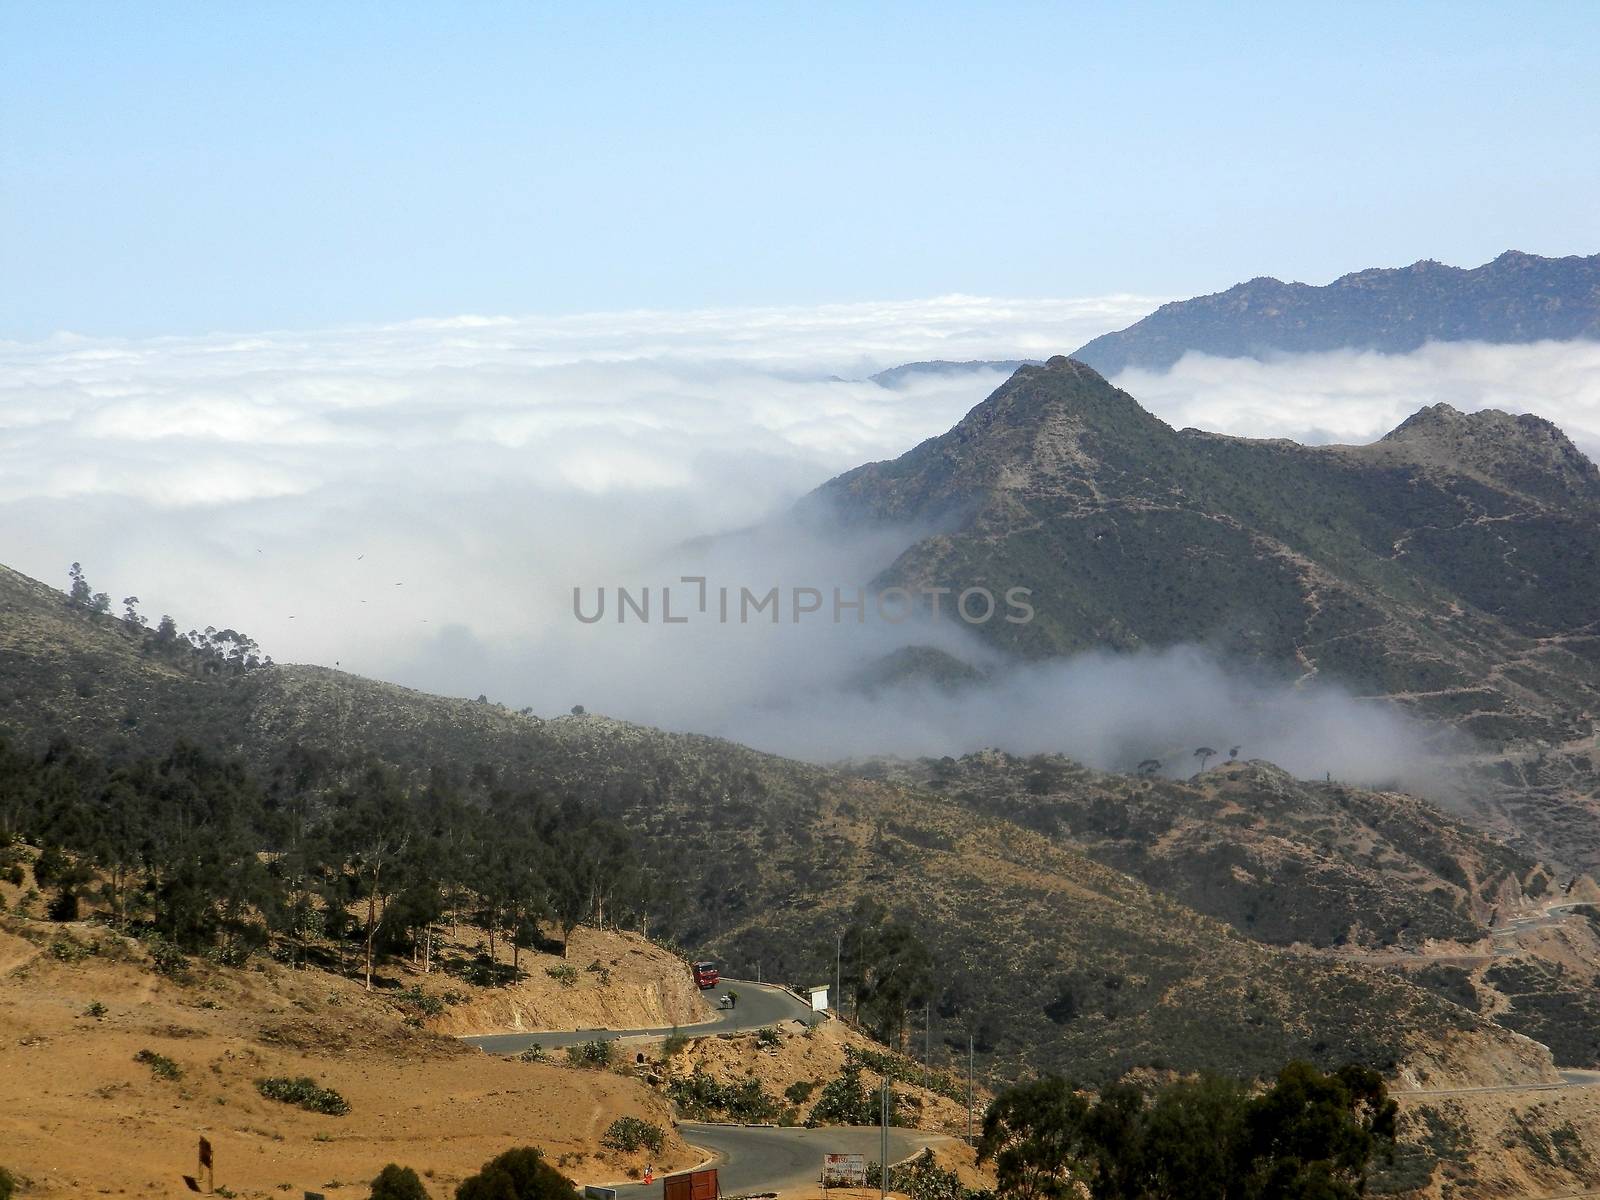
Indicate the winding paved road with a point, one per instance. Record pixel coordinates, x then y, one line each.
748 1158
761 1158
760 1005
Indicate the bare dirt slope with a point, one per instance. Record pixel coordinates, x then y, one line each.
608 980
79 1114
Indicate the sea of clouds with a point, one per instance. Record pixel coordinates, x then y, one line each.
416 502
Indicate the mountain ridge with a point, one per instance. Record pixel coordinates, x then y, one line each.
1514 298
1447 567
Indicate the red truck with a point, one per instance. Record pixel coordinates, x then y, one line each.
706 974
691 1185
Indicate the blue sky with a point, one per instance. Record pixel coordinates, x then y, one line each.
186 168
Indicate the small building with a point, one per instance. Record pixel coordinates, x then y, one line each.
819 998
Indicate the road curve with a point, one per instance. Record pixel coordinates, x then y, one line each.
762 1158
760 1005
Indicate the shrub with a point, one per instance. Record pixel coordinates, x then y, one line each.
8 1184
517 1175
534 1053
68 950
630 1133
799 1091
395 1182
846 1101
165 958
95 1010
160 1065
768 1037
675 1044
703 1098
566 974
305 1093
15 874
431 1006
597 1053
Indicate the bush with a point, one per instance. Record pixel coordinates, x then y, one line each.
846 1101
566 974
597 1053
160 1065
630 1133
395 1182
95 1010
8 1184
799 1091
768 1037
69 950
431 1006
534 1053
517 1175
304 1093
675 1044
701 1097
64 907
165 958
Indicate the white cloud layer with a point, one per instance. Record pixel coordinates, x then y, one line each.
415 502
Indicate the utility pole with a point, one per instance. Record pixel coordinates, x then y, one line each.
838 976
969 1089
883 1141
927 1045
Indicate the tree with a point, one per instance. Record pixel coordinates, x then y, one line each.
889 968
373 830
79 595
1204 754
130 612
519 1174
1311 1136
1035 1134
395 1182
1149 768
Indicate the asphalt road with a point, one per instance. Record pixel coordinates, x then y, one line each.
760 1005
759 1158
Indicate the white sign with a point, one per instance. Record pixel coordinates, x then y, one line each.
844 1170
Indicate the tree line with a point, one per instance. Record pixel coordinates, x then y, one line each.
207 651
1309 1136
189 847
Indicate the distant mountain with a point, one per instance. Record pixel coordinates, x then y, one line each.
896 376
1450 566
1516 298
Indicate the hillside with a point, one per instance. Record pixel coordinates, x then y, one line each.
1046 956
81 1114
1516 298
1281 860
1447 568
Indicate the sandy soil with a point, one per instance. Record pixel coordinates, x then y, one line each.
1529 1144
78 1114
620 981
